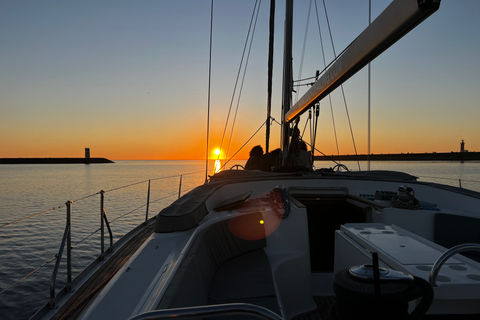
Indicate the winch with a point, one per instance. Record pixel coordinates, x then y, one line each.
373 292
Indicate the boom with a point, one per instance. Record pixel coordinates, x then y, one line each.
398 19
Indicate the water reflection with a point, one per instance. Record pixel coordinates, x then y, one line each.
217 166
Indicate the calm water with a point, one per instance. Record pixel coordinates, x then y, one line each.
26 190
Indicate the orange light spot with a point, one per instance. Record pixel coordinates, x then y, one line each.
248 227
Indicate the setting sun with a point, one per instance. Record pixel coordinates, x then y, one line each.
217 152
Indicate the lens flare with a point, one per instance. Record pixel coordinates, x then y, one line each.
255 225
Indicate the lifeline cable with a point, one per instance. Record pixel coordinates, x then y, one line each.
28 275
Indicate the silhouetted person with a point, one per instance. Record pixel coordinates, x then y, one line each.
304 157
256 160
272 159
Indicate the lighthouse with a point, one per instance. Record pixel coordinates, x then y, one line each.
87 155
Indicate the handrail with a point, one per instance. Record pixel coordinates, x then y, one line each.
67 236
103 218
148 202
446 255
210 311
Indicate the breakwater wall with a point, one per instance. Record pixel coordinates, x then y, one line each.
53 160
444 156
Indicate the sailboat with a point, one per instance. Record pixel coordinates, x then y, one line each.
297 244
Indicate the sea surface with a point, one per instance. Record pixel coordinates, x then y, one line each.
33 212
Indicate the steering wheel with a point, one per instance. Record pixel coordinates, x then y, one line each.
340 166
237 167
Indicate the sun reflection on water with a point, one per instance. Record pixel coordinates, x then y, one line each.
217 166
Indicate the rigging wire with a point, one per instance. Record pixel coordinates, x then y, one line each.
306 123
243 80
325 67
369 89
312 136
227 161
341 86
238 74
304 47
317 113
312 146
209 87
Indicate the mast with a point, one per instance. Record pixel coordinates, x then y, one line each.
287 78
270 73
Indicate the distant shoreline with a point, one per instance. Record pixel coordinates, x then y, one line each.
443 156
53 160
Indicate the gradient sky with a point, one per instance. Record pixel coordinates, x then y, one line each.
129 79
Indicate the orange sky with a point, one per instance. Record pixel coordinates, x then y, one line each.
132 82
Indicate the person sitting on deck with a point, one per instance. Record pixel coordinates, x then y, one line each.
304 157
272 159
256 160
